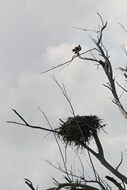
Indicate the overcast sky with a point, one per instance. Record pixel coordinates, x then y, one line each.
34 36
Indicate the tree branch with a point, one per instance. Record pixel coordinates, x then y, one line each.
115 182
28 125
29 183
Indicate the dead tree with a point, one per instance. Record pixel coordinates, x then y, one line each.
78 130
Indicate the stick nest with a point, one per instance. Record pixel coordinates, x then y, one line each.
78 129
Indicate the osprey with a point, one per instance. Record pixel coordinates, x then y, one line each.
77 49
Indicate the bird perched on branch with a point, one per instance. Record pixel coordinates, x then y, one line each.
77 49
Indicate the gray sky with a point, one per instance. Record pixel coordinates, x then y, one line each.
36 35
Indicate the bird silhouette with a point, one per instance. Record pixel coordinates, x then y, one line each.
77 49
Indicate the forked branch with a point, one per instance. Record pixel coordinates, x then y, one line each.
28 125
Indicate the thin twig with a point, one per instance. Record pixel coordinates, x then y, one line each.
67 62
123 27
32 126
29 183
83 174
94 171
63 89
123 88
120 161
60 150
20 117
60 65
